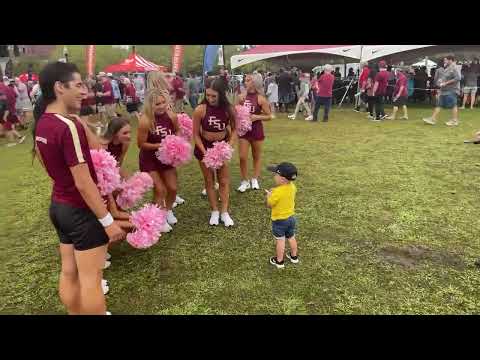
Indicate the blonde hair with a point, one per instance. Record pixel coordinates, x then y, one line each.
157 80
258 83
150 97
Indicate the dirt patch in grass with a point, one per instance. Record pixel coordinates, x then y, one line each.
411 256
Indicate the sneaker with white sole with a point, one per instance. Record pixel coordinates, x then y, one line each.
22 139
309 118
226 219
370 117
105 287
404 118
214 218
171 219
255 185
244 186
428 121
179 200
108 256
452 123
174 205
166 228
291 117
274 262
293 259
107 264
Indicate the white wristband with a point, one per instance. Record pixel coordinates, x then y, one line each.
107 220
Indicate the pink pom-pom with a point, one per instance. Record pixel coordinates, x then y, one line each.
174 150
108 174
216 156
186 123
244 124
148 222
133 189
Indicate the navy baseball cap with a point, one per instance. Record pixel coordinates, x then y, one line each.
285 169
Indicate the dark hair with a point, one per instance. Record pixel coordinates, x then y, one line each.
218 85
115 125
51 73
450 57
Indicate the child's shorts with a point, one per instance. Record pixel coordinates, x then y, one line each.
284 229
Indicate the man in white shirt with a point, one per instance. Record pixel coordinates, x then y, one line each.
302 96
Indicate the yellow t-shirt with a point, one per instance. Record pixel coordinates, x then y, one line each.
282 201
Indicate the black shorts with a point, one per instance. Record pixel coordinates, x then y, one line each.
77 227
402 100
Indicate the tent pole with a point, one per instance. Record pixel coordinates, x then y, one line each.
357 98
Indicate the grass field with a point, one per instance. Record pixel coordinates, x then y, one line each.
388 224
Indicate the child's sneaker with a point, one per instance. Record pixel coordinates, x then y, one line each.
255 185
293 259
274 262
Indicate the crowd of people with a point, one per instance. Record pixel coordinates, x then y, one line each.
65 130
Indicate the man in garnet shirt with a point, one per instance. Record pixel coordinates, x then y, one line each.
108 99
362 81
323 96
77 210
380 90
400 95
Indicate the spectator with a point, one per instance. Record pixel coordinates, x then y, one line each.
272 95
193 91
131 98
337 74
284 90
116 90
449 83
470 89
400 95
369 84
23 104
391 85
324 88
362 81
351 74
178 93
379 90
304 89
107 97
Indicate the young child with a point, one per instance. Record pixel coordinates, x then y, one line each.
282 201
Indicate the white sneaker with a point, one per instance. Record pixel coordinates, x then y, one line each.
429 121
291 117
105 287
255 185
108 256
309 118
244 185
179 200
166 228
174 205
171 219
214 218
107 264
226 219
22 139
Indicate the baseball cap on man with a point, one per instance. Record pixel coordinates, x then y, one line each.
285 169
101 74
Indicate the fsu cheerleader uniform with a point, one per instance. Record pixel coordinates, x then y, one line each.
215 120
256 134
147 159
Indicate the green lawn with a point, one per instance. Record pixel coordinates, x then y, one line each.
388 224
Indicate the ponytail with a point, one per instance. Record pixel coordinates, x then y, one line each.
38 110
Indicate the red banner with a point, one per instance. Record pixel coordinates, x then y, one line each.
90 52
177 57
